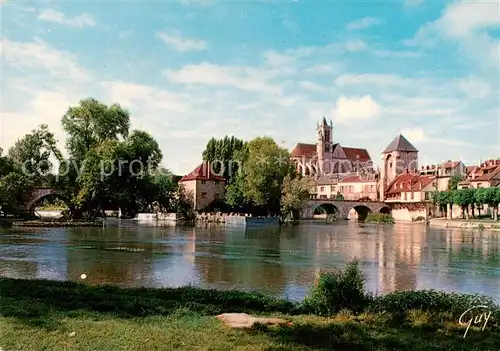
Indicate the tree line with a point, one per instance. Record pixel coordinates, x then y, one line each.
103 169
261 178
469 200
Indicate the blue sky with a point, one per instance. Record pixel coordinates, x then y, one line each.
191 70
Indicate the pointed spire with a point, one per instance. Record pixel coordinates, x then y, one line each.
324 121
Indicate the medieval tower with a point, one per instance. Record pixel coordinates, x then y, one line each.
398 157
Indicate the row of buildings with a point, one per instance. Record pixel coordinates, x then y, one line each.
349 173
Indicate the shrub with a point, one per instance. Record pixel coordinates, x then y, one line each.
337 290
379 218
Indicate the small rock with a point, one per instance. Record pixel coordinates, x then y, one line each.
243 320
72 334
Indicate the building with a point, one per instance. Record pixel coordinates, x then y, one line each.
399 157
359 187
203 186
411 187
444 172
486 175
329 158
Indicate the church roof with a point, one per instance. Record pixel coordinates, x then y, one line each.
202 172
400 143
355 154
307 150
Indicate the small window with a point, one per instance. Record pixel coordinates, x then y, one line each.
479 185
216 182
322 188
203 182
216 196
427 195
412 195
406 196
203 195
341 189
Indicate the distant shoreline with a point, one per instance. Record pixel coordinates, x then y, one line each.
464 224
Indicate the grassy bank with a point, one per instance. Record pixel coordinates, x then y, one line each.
337 315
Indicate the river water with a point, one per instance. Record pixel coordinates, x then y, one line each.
282 262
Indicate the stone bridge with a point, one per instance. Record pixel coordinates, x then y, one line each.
343 207
37 195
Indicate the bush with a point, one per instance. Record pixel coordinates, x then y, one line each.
337 290
379 218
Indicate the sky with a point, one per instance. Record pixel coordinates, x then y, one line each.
188 71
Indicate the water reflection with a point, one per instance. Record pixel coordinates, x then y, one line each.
399 257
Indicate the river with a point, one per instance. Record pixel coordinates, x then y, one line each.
282 262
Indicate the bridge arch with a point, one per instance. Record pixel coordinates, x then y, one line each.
41 194
362 211
327 208
385 210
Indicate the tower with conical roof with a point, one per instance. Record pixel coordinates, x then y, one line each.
324 144
398 157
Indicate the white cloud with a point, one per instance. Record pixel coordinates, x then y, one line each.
355 45
311 86
465 23
474 87
82 20
240 77
369 79
38 55
176 41
351 109
414 134
323 69
363 23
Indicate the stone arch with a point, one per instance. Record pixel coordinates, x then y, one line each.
42 194
362 211
385 210
327 207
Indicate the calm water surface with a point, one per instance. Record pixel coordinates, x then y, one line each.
283 262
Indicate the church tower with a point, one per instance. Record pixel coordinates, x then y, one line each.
324 145
398 157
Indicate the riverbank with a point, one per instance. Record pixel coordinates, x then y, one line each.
40 314
483 224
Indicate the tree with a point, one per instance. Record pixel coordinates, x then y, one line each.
227 153
235 193
264 169
31 154
15 189
464 198
454 180
491 196
91 123
295 193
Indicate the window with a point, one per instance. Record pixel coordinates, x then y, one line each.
216 182
411 195
216 196
427 195
203 195
203 182
372 188
406 196
322 188
479 185
341 189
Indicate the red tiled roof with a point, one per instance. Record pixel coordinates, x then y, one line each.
356 179
450 164
354 154
307 150
410 182
202 172
471 169
491 172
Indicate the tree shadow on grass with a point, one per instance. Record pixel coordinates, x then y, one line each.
352 335
43 303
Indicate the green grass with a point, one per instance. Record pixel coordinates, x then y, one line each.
50 315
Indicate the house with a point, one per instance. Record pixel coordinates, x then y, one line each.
411 187
325 188
443 172
203 186
486 175
358 187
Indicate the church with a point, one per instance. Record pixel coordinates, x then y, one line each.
326 158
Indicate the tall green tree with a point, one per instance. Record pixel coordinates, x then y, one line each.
465 199
264 168
225 153
31 154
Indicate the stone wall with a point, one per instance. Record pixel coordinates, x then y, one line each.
236 219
